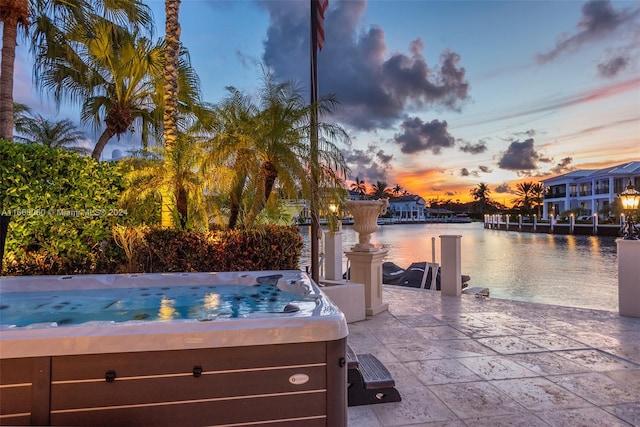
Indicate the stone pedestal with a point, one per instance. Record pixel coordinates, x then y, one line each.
333 255
451 270
366 268
629 277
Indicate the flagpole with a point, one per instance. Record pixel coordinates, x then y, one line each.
313 147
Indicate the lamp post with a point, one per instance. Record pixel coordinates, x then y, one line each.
630 199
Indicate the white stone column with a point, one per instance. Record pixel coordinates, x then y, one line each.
450 258
333 255
366 267
629 277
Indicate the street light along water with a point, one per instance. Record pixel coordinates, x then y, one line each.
573 271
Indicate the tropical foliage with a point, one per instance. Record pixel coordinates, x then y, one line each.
480 196
380 190
529 197
55 134
359 186
62 206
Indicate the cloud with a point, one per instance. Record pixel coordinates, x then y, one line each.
464 172
470 148
503 188
485 169
419 136
373 86
599 20
369 165
613 66
520 156
563 167
546 105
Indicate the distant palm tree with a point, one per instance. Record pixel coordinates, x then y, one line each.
480 196
359 186
21 114
537 196
379 190
397 189
56 134
524 201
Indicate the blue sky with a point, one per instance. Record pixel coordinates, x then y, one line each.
437 96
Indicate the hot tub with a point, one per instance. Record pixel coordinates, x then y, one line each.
218 365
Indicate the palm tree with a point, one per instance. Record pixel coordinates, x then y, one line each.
21 115
60 134
397 189
176 169
480 196
233 146
537 196
380 190
171 62
13 14
359 186
524 201
49 23
267 145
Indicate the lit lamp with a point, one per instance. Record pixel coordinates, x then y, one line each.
630 199
333 208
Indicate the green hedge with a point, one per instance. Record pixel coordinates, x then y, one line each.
62 207
65 214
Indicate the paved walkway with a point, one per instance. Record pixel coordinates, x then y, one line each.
488 362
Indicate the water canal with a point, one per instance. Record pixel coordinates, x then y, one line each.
567 270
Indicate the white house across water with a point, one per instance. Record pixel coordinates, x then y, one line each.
588 190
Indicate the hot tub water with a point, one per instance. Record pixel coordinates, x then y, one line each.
199 302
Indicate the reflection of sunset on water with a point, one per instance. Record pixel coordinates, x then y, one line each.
579 271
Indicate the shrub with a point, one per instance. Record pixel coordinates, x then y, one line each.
62 207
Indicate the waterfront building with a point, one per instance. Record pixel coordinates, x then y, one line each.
407 208
589 191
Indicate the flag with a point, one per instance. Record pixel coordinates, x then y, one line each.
321 8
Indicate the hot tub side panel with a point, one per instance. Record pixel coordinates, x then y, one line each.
302 384
25 391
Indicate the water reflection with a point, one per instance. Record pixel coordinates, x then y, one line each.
578 271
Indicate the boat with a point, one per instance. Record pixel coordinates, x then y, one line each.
417 275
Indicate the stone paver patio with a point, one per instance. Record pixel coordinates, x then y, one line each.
488 362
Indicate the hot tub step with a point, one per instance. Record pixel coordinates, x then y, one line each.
369 381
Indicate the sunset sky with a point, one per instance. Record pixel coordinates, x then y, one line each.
437 96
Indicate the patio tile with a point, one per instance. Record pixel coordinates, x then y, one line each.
490 362
629 412
583 417
462 348
440 333
599 388
418 405
554 341
476 399
496 367
598 340
396 334
420 320
540 394
442 371
547 363
362 416
630 352
519 420
596 360
416 350
510 345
